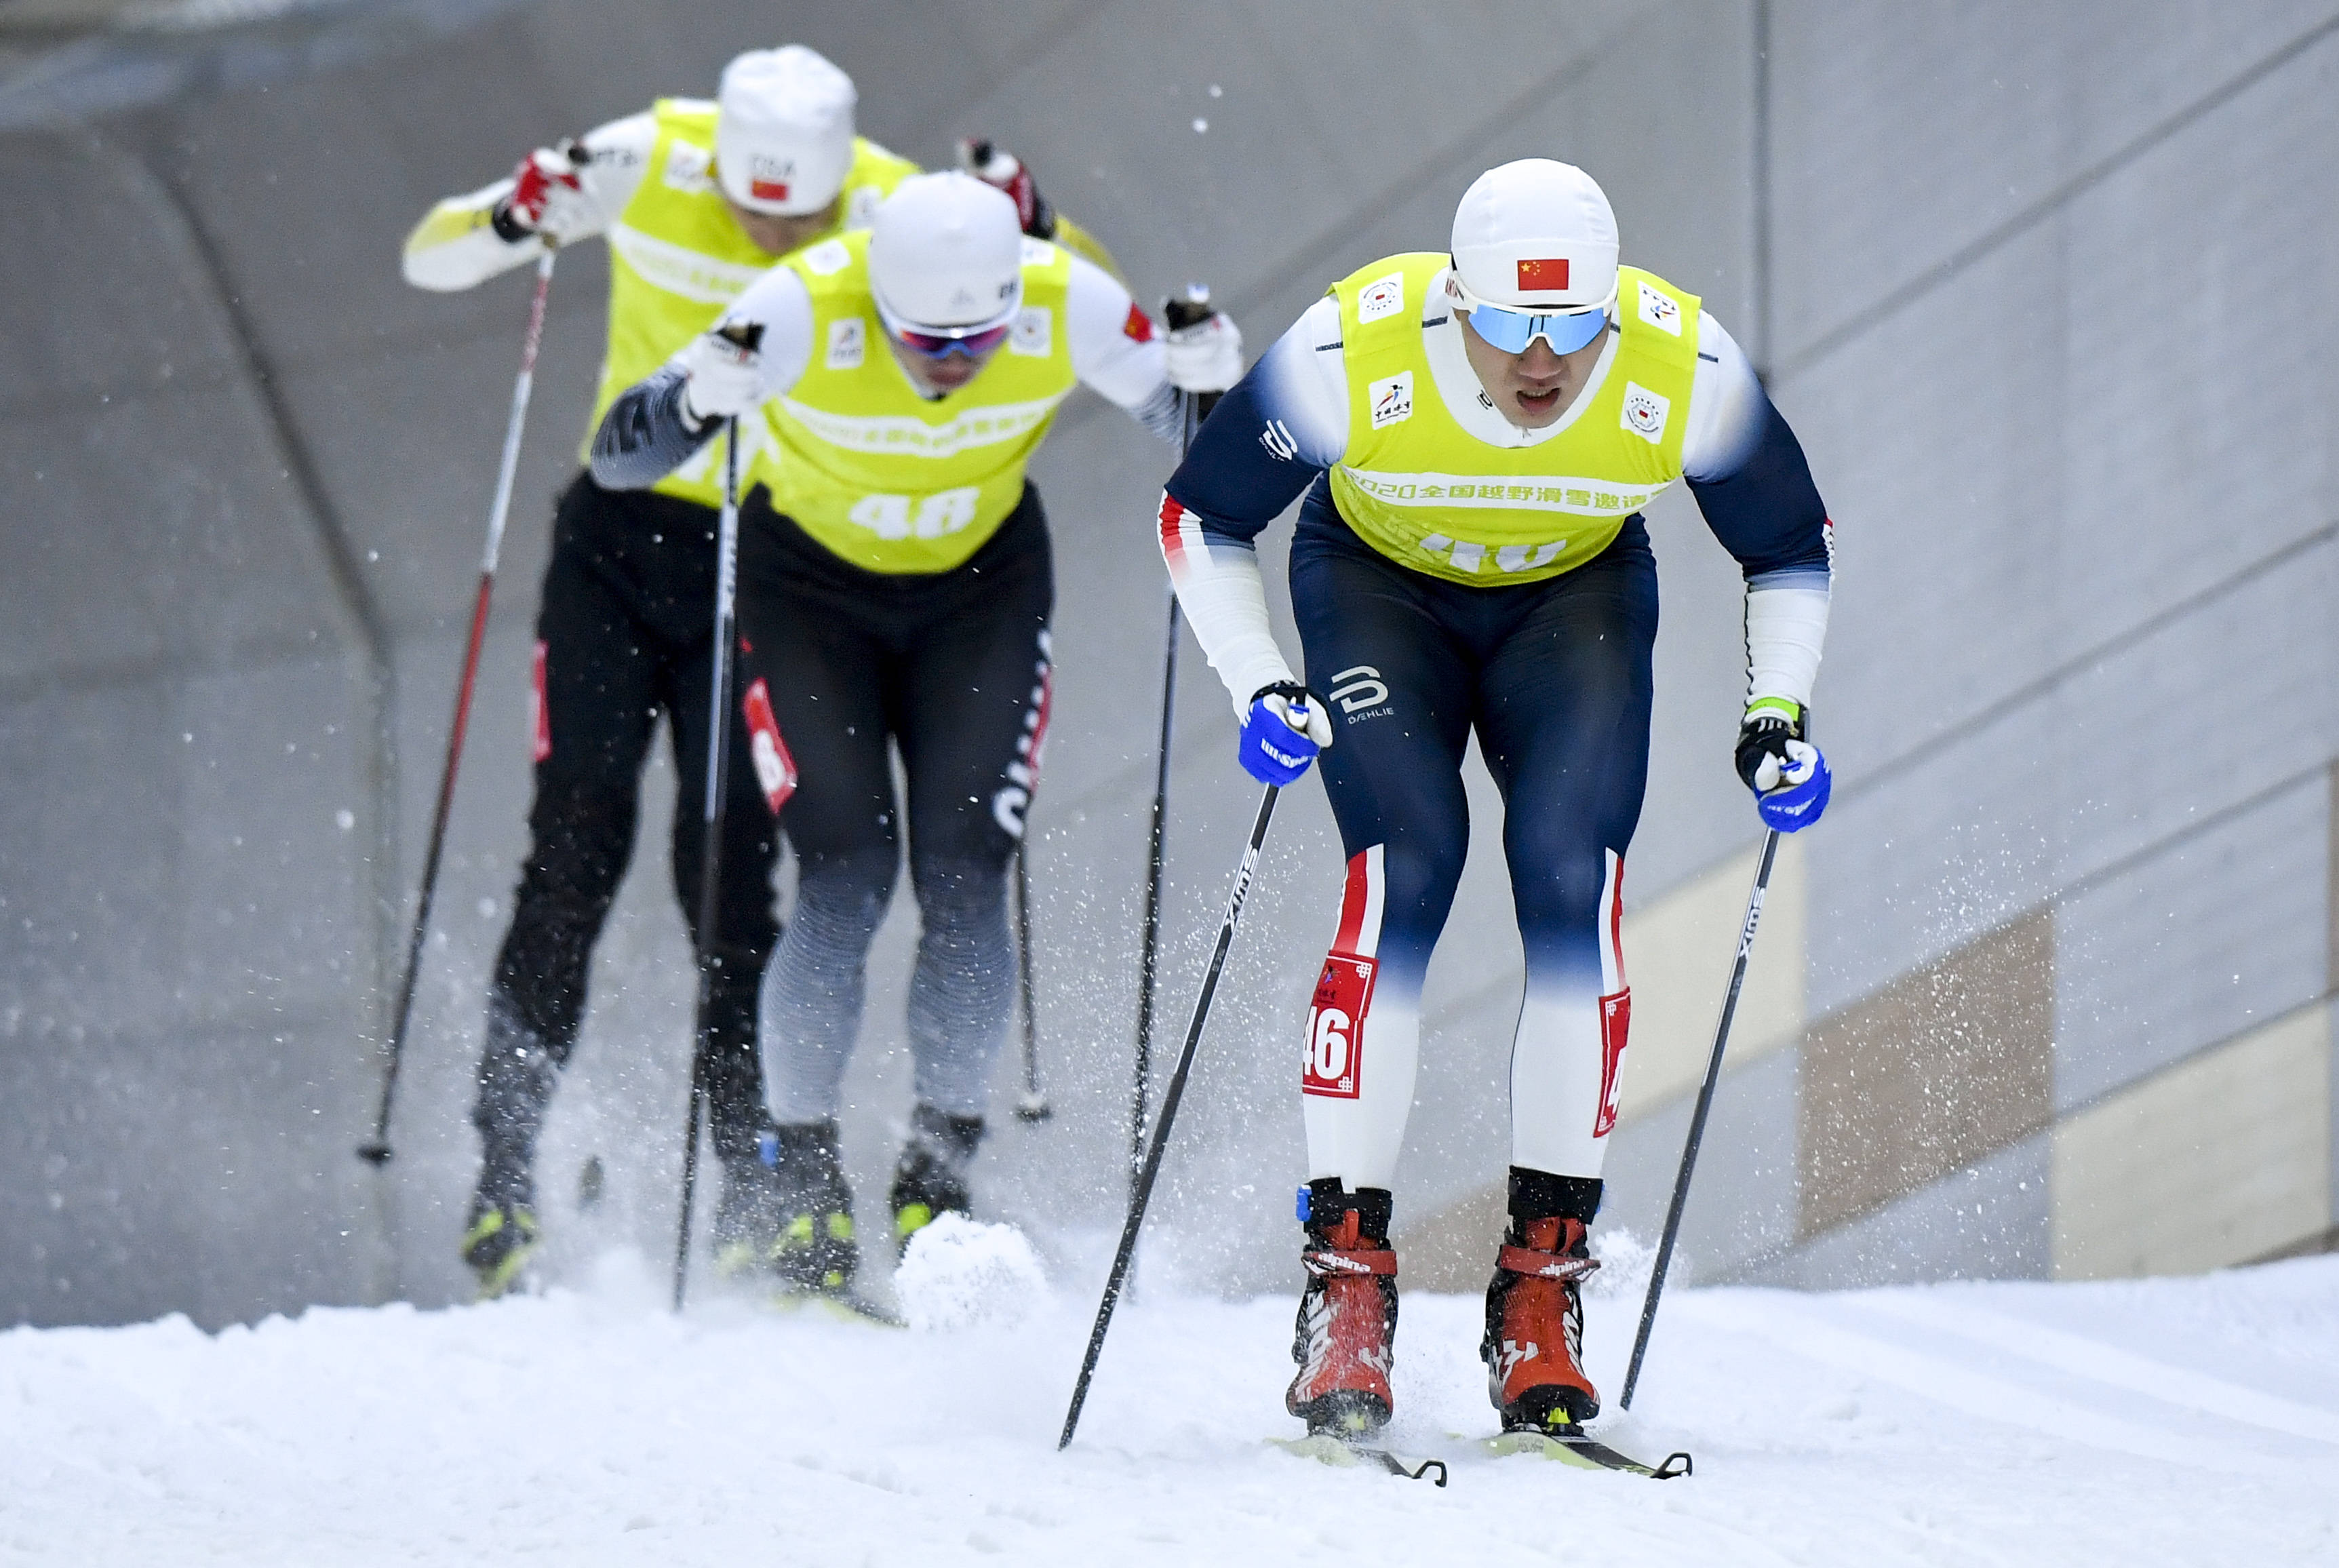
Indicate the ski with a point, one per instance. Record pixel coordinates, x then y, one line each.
1326 1449
1574 1446
845 1307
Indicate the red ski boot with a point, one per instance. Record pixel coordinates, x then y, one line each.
1533 1347
1347 1316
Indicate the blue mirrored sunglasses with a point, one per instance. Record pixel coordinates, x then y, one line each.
1513 331
942 345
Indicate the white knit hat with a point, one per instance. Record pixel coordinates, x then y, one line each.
946 254
784 129
1536 235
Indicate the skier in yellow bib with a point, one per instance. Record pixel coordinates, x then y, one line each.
895 584
1476 431
696 200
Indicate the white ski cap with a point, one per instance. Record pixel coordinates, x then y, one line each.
784 129
1537 234
946 254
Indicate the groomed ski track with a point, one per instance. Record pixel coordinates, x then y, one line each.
2160 1421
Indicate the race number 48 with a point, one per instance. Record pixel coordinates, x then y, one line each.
1335 1028
893 517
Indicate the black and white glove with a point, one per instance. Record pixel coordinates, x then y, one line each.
546 197
1003 170
723 375
1205 355
1789 776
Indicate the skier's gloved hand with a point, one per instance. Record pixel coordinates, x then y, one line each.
1003 170
1789 776
1206 356
1287 726
546 197
723 376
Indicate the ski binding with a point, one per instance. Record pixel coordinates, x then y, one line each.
1571 1444
1327 1449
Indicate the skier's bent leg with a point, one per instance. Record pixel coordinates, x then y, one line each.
746 932
1565 731
595 691
963 988
971 711
818 982
1401 695
1363 1022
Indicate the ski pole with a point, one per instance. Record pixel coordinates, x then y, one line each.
1697 1118
1194 306
710 817
1149 957
1033 1106
376 1149
1143 1192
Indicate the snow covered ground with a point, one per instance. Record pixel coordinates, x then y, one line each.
2163 1421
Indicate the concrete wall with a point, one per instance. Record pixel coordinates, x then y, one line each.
2039 299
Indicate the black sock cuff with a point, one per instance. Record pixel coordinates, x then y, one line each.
1540 1195
1328 1199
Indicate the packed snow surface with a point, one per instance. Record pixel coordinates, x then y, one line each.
2163 1421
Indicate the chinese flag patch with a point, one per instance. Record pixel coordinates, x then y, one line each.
1138 327
778 191
1550 272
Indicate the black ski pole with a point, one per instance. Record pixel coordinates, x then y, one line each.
1697 1118
376 1149
1033 1106
710 850
1150 953
1194 306
1143 1192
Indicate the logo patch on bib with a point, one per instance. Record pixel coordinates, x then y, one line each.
1381 297
1035 333
1660 309
847 342
828 258
689 169
1391 399
1644 412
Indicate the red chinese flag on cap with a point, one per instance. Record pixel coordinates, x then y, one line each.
1550 272
778 191
1138 326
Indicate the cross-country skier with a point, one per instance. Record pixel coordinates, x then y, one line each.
696 201
895 582
1477 431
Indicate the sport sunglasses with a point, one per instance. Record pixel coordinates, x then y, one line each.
1513 331
942 345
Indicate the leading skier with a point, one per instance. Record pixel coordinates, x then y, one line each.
1477 431
697 200
895 584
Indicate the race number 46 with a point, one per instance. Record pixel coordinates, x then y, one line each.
1336 1026
893 517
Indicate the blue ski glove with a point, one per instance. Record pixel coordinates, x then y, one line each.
1287 727
1789 776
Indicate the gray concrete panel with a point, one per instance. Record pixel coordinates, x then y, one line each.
166 514
2079 779
1742 1203
1902 135
1987 1221
2201 942
205 1171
